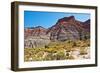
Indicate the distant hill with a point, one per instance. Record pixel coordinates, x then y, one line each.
67 28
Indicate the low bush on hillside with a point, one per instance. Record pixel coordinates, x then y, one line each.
57 51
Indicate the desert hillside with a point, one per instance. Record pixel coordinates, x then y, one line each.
67 39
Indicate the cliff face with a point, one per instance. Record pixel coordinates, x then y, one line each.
67 28
87 25
36 37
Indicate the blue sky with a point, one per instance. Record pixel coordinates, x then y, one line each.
47 19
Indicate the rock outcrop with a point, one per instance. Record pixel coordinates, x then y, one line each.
67 28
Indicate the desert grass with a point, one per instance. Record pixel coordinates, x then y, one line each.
67 50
